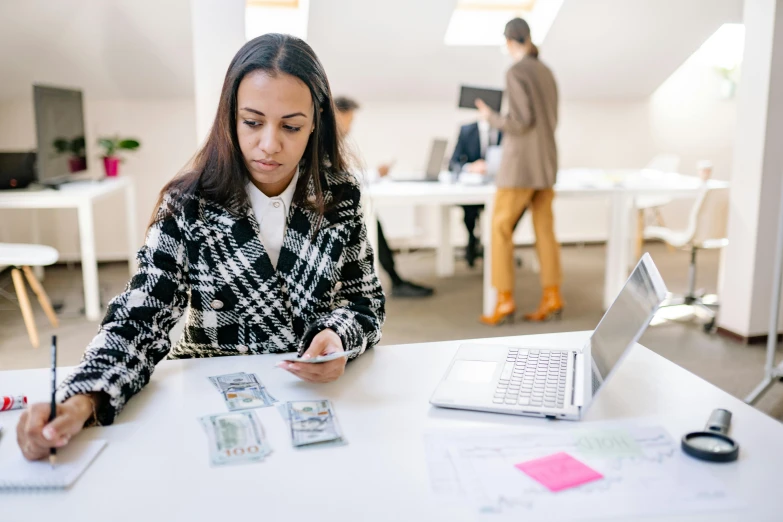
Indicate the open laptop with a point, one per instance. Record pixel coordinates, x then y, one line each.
435 162
553 382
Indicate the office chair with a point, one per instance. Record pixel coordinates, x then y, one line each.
706 230
653 204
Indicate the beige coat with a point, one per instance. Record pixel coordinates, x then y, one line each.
529 148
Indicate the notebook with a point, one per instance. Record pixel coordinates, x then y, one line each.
17 473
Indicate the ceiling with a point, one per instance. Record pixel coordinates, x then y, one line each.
376 51
109 48
626 48
598 49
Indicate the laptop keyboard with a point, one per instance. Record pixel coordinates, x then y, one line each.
533 378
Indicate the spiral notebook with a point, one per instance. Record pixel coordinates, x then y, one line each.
17 473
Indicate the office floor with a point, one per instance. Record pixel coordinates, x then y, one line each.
451 314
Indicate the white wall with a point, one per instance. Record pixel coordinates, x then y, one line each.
218 28
166 129
754 201
689 117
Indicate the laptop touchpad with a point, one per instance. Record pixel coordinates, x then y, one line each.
472 371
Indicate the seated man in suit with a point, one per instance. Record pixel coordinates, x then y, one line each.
470 154
346 108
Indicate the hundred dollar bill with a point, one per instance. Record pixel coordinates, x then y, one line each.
229 380
235 438
242 391
247 398
313 422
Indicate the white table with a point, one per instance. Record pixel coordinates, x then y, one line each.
155 466
621 187
81 195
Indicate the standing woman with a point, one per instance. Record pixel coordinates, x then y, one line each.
261 239
527 174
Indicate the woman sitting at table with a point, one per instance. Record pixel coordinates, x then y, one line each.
261 237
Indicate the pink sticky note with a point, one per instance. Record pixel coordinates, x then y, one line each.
559 471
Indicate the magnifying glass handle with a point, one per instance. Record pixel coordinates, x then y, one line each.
719 421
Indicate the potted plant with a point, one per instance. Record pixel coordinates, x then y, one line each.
77 161
730 75
111 146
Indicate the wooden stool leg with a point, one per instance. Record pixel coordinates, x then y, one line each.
40 293
24 304
639 234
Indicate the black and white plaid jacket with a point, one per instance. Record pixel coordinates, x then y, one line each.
203 257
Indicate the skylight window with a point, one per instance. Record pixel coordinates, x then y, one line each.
276 16
481 22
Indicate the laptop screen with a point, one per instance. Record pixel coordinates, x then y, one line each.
435 162
626 319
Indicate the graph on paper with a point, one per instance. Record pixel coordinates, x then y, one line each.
644 472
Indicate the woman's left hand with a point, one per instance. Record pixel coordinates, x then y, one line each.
324 343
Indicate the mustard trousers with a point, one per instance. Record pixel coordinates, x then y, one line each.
509 205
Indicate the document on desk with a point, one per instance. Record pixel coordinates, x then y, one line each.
643 471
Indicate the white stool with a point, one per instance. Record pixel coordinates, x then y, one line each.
25 256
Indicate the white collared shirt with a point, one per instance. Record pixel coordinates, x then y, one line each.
488 137
483 127
272 215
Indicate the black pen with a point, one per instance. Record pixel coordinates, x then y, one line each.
53 413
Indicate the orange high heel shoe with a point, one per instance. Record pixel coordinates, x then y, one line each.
550 307
504 311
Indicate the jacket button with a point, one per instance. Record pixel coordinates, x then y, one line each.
242 348
217 304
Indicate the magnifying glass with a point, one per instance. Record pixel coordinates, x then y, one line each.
713 444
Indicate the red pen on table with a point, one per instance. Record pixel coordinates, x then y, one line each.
12 403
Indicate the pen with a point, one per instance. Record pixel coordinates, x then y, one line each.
53 413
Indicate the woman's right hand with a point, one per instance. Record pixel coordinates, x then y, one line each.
36 435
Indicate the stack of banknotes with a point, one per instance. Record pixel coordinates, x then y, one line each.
242 391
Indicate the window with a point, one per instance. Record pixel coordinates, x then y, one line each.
276 16
481 22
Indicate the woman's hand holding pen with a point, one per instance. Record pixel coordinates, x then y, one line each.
36 435
326 342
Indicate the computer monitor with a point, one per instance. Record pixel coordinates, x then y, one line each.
59 127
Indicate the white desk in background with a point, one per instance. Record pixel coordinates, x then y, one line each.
81 195
620 187
156 464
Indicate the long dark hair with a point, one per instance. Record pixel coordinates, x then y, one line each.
218 171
